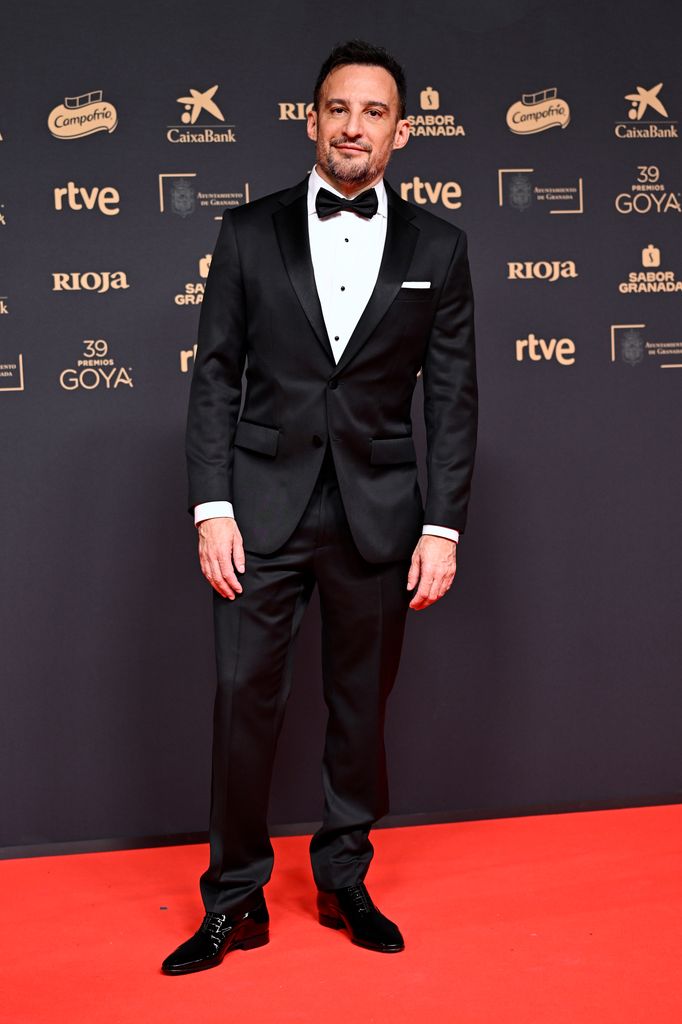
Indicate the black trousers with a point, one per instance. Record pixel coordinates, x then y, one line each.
363 610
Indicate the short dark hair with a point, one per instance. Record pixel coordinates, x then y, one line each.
356 51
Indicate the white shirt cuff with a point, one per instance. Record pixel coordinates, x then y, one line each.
212 510
441 531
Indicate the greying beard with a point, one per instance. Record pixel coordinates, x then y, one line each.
349 171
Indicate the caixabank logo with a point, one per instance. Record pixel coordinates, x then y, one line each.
647 116
649 194
181 195
633 345
522 189
538 112
651 277
432 122
95 369
212 127
78 116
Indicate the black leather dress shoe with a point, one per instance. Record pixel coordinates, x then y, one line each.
352 908
218 934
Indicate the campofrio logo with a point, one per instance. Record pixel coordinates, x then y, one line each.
82 115
537 112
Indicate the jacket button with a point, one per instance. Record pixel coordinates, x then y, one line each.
333 384
317 441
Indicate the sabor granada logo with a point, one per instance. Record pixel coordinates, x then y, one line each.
82 115
537 112
433 124
651 279
194 290
89 281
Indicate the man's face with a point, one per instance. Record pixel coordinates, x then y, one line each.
357 126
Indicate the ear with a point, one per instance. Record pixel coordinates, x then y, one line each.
402 134
311 127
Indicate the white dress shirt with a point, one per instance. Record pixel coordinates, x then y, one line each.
346 252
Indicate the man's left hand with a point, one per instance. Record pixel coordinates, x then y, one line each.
433 566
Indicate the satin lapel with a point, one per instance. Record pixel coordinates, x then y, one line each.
291 225
401 238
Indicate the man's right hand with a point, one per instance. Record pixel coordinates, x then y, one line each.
221 552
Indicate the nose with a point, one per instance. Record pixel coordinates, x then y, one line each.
353 126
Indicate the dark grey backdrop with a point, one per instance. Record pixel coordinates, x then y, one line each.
549 678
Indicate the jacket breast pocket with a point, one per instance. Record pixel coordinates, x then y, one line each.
415 295
257 438
388 450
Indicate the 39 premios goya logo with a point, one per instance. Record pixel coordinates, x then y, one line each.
95 369
523 190
82 115
648 193
651 277
211 127
537 112
634 345
647 116
180 195
193 291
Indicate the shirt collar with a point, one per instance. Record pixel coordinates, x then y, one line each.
315 183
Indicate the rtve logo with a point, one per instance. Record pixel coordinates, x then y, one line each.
294 111
448 192
563 350
77 197
541 270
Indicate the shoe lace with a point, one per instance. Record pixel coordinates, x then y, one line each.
360 898
214 923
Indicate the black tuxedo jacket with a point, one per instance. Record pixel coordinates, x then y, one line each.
261 307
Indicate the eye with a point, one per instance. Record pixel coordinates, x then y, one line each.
375 114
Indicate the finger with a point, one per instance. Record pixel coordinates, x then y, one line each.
413 574
420 598
217 580
228 573
238 553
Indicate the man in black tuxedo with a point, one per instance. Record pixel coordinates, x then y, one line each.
335 293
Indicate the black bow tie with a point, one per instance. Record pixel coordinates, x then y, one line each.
366 204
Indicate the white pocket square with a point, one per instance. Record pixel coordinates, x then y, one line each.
416 284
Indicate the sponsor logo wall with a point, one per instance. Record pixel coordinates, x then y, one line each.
119 153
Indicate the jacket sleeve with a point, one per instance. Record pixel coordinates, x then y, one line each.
451 397
215 390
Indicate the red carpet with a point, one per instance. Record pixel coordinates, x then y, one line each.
539 920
